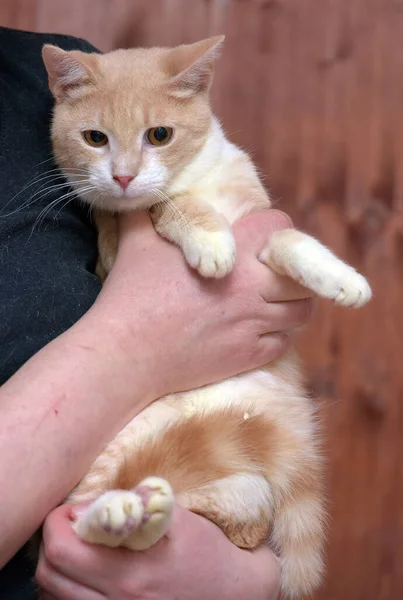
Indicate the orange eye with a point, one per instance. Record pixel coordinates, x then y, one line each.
159 136
95 138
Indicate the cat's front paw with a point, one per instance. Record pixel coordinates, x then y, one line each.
212 254
354 290
338 282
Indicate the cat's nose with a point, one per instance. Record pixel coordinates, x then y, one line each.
123 180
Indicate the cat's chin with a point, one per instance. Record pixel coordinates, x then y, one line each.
122 204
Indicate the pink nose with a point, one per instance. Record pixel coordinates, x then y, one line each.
123 180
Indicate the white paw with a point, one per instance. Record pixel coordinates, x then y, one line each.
110 518
134 519
157 496
291 252
338 282
212 254
354 290
159 502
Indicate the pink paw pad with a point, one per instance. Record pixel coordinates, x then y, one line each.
156 497
129 525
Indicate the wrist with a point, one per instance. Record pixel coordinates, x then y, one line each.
124 353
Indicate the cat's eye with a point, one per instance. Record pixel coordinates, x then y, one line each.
159 136
95 138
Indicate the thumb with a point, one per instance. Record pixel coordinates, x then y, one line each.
255 230
76 510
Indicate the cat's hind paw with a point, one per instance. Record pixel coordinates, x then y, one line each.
212 254
110 518
158 502
135 519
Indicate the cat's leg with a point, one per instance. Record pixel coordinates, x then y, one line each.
249 473
246 508
107 228
240 505
280 501
135 514
134 519
307 261
204 235
195 437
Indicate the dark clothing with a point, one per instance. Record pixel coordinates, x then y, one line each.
46 270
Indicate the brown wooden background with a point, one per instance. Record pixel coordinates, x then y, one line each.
314 88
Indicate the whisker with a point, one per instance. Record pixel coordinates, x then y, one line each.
42 215
179 217
39 179
36 179
45 191
86 191
38 196
170 209
49 207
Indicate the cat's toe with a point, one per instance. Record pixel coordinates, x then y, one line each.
157 498
120 513
110 518
354 292
158 503
212 254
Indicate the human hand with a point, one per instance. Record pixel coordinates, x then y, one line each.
195 562
194 331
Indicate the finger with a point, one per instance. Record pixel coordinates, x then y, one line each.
63 549
276 288
87 564
286 316
269 347
56 585
253 232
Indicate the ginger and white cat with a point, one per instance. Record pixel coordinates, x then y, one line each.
133 129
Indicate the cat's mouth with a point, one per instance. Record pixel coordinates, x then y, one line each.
111 196
119 202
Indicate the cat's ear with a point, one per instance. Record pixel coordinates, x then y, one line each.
191 66
68 72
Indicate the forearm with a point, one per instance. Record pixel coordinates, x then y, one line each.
57 412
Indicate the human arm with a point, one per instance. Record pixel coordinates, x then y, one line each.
63 405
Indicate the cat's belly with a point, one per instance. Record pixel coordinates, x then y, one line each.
273 391
268 390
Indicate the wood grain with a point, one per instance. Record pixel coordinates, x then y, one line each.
315 90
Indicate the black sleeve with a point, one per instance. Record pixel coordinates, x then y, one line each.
46 267
46 258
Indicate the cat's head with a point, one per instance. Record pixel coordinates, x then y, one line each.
126 123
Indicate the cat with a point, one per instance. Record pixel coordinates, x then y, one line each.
133 129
